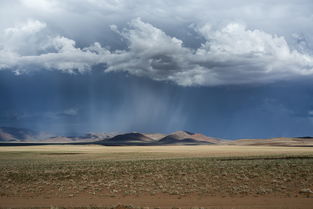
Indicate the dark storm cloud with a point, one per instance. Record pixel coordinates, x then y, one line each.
64 104
243 42
61 103
247 64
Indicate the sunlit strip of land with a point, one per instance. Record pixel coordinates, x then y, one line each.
81 152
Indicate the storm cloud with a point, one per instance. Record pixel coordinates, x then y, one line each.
217 44
229 69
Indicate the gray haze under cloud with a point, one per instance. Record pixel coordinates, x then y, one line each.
218 67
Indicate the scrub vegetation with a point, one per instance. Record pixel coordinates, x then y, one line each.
77 171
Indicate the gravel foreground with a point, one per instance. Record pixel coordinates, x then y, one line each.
73 178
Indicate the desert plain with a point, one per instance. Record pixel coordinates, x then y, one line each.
204 176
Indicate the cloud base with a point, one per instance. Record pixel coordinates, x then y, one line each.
229 54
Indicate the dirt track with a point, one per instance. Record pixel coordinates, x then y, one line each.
162 201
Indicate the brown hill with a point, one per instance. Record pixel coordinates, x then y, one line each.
184 137
155 136
298 141
128 139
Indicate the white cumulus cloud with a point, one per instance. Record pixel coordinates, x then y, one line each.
232 54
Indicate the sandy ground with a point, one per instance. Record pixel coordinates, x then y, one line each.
153 152
59 157
162 201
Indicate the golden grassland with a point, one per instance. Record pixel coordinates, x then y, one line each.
95 152
58 171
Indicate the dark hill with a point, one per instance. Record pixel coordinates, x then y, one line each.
128 139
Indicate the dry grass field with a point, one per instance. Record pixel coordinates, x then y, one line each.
216 176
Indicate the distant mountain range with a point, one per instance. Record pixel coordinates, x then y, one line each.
178 138
10 134
21 135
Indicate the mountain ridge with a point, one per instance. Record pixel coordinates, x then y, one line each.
21 135
132 138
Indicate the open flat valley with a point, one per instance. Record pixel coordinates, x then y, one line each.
208 176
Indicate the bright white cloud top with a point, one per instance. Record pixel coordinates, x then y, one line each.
231 52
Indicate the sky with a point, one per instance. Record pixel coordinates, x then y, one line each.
228 69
